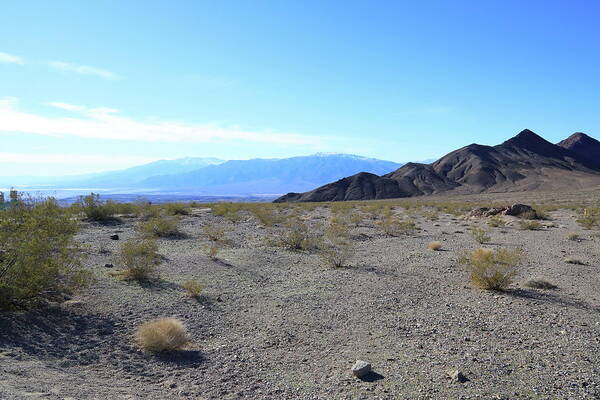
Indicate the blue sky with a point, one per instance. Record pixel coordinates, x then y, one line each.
88 86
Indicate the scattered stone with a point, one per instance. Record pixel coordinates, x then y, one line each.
457 376
108 265
114 237
516 210
361 368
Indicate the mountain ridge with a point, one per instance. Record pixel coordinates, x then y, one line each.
525 161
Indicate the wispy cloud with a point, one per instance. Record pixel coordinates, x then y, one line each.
83 70
108 123
70 159
6 58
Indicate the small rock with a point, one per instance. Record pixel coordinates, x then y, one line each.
114 237
361 368
108 265
457 376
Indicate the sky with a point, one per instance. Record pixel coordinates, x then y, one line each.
89 86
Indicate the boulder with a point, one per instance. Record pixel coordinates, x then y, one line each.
361 369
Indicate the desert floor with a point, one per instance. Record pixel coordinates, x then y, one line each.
277 324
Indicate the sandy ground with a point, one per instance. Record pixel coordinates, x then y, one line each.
277 324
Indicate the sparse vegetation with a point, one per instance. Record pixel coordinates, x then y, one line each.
540 284
479 234
214 232
139 258
435 246
163 227
297 236
574 260
164 334
496 221
573 236
492 270
590 218
97 210
335 255
177 209
394 226
38 253
193 288
529 225
212 251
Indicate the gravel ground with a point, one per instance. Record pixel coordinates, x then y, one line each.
276 324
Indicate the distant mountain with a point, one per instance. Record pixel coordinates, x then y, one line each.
261 176
131 177
524 162
584 146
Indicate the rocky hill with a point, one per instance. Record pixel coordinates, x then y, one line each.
524 162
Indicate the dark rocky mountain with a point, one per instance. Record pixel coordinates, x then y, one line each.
524 162
584 146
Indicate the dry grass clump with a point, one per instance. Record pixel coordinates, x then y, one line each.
229 211
573 236
394 226
212 251
574 260
540 284
496 221
529 225
492 270
479 234
265 214
336 247
435 246
177 209
139 258
297 236
590 218
193 288
214 232
164 227
164 334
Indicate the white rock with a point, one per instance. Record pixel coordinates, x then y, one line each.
361 368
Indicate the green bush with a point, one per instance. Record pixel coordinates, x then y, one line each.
177 209
38 254
139 258
492 270
164 227
97 210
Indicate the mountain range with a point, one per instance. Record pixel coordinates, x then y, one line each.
216 177
524 162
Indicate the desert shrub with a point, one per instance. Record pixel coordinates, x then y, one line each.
164 334
496 221
229 211
434 246
297 236
176 209
540 284
193 288
139 258
145 210
574 260
164 227
393 226
431 215
335 255
338 230
97 210
529 225
214 232
573 236
265 213
212 251
492 270
479 234
38 254
590 218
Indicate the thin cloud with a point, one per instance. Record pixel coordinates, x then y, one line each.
83 70
108 123
6 58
